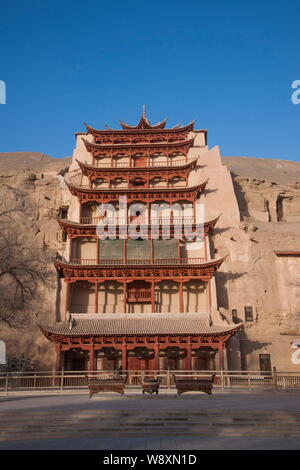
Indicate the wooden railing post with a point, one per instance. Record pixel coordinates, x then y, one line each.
6 383
249 381
275 382
53 378
222 379
62 380
168 379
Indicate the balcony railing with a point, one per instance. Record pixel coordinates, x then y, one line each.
137 262
146 164
139 295
79 185
123 222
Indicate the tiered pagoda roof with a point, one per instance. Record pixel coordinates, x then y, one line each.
136 134
132 149
86 194
88 226
95 171
136 325
139 269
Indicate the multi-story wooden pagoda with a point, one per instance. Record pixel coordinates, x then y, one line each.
142 298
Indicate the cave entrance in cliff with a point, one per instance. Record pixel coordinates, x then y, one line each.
279 209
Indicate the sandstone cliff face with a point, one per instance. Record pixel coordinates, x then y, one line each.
270 221
30 181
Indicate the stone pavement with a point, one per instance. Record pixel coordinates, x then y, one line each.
165 422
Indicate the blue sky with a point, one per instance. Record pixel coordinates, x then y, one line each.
229 65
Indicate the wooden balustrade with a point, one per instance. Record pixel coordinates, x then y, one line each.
151 164
155 222
138 262
139 295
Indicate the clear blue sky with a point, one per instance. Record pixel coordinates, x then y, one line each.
227 64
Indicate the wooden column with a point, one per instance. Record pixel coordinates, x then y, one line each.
188 357
178 250
194 211
70 248
91 365
221 355
125 294
149 213
151 249
67 296
98 250
156 356
58 357
96 297
125 250
124 357
181 306
80 212
152 297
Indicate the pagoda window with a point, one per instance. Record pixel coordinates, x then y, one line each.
279 209
138 249
165 249
249 313
111 249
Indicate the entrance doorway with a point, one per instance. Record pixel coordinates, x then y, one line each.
76 360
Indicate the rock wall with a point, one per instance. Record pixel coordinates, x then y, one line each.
37 189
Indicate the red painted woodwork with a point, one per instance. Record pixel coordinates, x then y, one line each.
202 271
159 148
87 227
130 135
170 195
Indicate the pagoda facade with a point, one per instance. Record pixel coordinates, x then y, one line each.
136 287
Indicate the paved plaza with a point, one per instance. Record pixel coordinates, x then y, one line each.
194 421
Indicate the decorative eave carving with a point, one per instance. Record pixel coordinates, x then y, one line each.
165 148
86 194
203 271
74 229
128 173
175 132
85 341
145 124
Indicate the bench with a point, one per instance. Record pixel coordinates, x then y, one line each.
199 384
97 385
150 385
